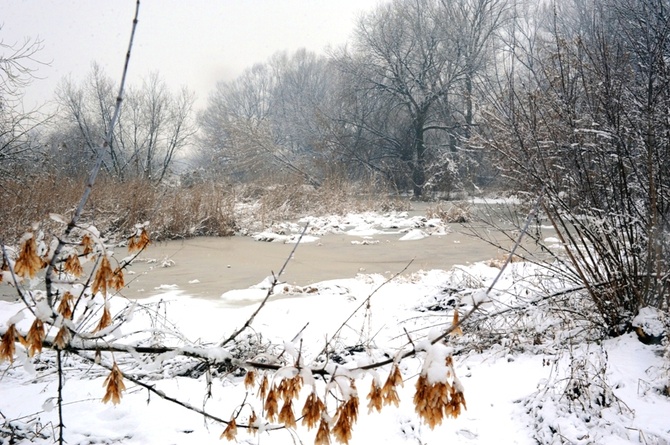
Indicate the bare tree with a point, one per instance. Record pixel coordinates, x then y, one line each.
417 54
153 127
16 124
583 115
267 120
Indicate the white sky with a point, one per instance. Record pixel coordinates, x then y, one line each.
189 42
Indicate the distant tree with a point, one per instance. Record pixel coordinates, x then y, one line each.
153 127
417 54
268 119
17 124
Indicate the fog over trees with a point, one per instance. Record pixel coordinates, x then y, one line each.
562 105
430 98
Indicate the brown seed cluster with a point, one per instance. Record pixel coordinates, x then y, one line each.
312 410
433 401
114 386
73 265
35 337
138 241
389 392
7 344
231 430
28 262
346 415
103 279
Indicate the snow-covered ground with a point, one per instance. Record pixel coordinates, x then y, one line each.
530 372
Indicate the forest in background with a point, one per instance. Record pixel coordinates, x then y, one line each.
430 99
564 104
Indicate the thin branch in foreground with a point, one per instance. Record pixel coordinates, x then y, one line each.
275 281
98 164
364 303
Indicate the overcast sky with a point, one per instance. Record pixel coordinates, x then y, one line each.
194 43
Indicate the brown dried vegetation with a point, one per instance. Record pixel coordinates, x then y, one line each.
231 430
7 344
28 262
35 337
114 386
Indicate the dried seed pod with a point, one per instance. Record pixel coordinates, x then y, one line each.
28 261
263 388
389 393
65 306
322 434
73 266
312 411
231 431
286 415
375 397
347 414
252 422
35 337
116 281
139 241
249 379
289 389
271 405
103 277
7 345
88 244
62 338
114 386
105 320
456 329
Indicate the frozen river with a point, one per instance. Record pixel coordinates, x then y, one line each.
208 267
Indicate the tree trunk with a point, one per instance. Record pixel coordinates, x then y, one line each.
419 161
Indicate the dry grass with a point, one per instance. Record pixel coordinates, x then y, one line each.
115 207
454 212
206 208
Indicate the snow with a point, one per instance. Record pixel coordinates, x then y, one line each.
517 362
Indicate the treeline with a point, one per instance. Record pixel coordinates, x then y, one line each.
429 96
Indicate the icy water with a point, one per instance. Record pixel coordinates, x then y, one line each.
208 267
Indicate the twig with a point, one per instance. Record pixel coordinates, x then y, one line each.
152 389
98 164
61 424
364 303
275 280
